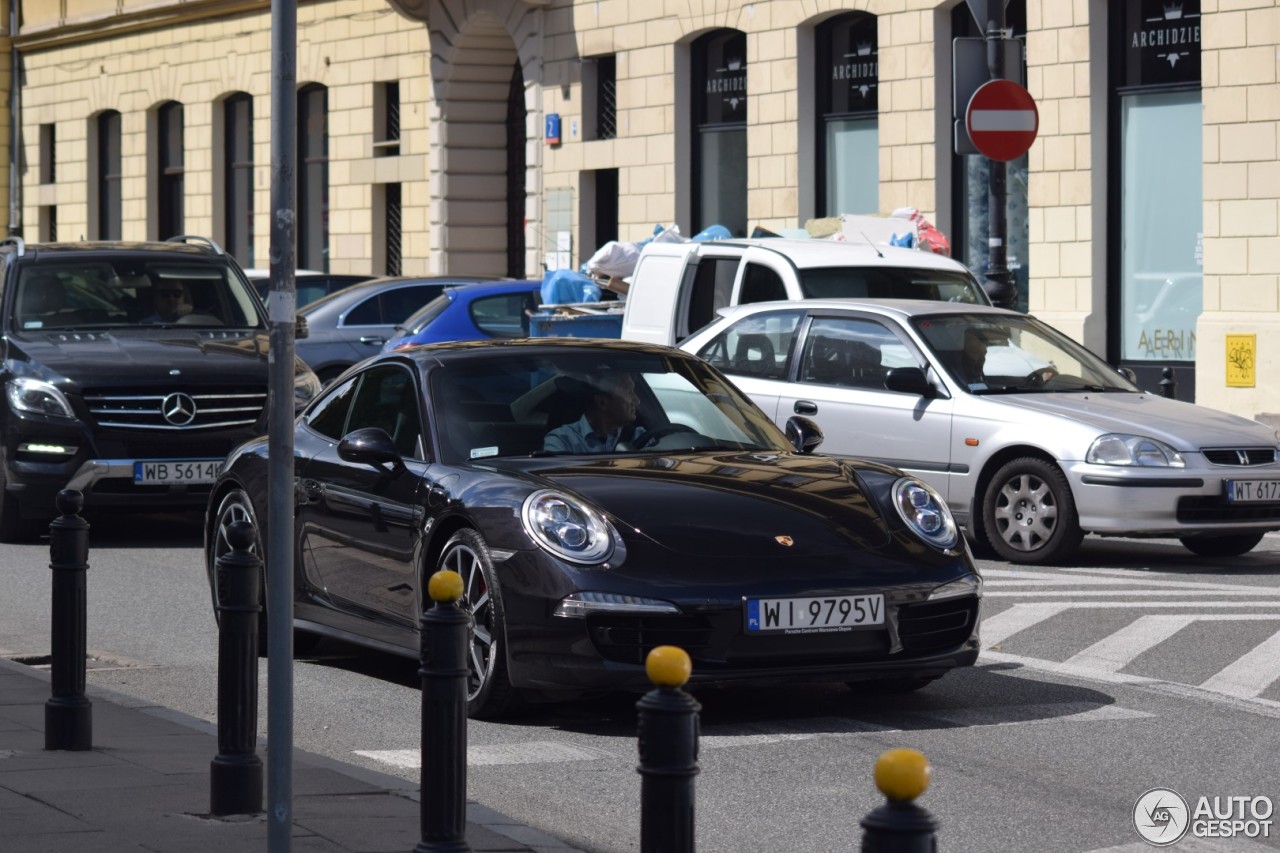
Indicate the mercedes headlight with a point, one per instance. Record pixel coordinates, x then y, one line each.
306 385
567 527
1115 449
925 512
37 397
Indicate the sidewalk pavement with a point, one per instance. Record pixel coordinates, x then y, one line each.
144 788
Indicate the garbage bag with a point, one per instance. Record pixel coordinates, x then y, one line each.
713 232
613 259
560 287
930 237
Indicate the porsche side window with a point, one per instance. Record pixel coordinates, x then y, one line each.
387 400
329 416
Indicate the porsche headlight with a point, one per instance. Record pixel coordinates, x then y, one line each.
567 527
925 512
1116 449
37 397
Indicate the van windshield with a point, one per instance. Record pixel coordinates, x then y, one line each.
133 293
891 283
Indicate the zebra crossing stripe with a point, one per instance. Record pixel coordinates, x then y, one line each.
999 627
1252 673
1114 652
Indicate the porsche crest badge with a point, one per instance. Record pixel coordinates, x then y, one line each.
785 541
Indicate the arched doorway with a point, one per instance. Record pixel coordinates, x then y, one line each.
482 165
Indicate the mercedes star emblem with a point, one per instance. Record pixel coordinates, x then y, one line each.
178 409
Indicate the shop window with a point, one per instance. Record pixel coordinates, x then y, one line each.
971 184
1156 167
720 131
848 144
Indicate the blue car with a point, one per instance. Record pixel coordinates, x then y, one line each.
490 309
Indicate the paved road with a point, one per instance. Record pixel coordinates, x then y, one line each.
1141 666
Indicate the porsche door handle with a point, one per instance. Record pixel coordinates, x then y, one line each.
805 407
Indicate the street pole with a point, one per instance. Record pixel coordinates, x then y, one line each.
999 280
281 311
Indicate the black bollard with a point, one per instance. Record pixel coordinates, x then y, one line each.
445 630
68 715
1168 385
235 774
900 826
668 741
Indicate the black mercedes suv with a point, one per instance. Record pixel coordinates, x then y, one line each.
130 370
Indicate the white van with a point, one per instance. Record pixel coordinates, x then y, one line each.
678 287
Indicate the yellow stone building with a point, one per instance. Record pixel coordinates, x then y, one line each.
502 136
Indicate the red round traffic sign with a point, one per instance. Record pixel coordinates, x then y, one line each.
1002 120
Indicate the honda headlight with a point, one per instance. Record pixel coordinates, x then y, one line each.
1115 449
37 397
567 527
925 512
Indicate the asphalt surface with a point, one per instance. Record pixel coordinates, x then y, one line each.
145 785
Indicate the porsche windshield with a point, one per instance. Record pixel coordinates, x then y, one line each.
600 401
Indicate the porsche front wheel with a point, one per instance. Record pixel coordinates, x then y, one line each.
489 691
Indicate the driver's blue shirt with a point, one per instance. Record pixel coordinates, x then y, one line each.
578 437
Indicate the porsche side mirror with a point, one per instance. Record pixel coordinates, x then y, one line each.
370 446
909 380
804 434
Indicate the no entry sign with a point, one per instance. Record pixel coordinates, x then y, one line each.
1002 120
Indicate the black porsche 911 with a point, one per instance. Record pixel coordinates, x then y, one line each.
600 498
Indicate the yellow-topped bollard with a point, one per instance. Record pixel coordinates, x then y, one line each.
668 666
667 719
900 826
902 774
445 586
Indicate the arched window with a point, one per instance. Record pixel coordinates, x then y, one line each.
169 169
720 131
313 178
104 183
848 139
237 115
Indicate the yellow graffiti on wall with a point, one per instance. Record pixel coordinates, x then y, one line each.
1242 358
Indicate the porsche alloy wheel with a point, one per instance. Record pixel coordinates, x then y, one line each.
1029 514
237 506
489 691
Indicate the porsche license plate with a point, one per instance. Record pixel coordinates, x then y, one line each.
813 615
176 471
1253 491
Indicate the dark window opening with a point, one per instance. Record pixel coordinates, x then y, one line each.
171 171
48 153
238 145
606 97
393 229
386 109
720 131
515 174
313 178
109 176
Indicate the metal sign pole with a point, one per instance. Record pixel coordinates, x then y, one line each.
999 280
281 309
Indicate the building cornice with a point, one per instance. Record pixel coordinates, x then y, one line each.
98 27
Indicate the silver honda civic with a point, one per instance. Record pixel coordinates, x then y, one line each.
1033 440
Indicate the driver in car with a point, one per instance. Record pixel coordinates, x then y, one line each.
608 420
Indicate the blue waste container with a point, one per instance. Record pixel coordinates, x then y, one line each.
576 326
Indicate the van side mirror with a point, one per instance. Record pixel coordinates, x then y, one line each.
300 328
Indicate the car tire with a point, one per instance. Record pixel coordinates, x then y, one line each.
1029 514
236 505
489 692
1221 546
